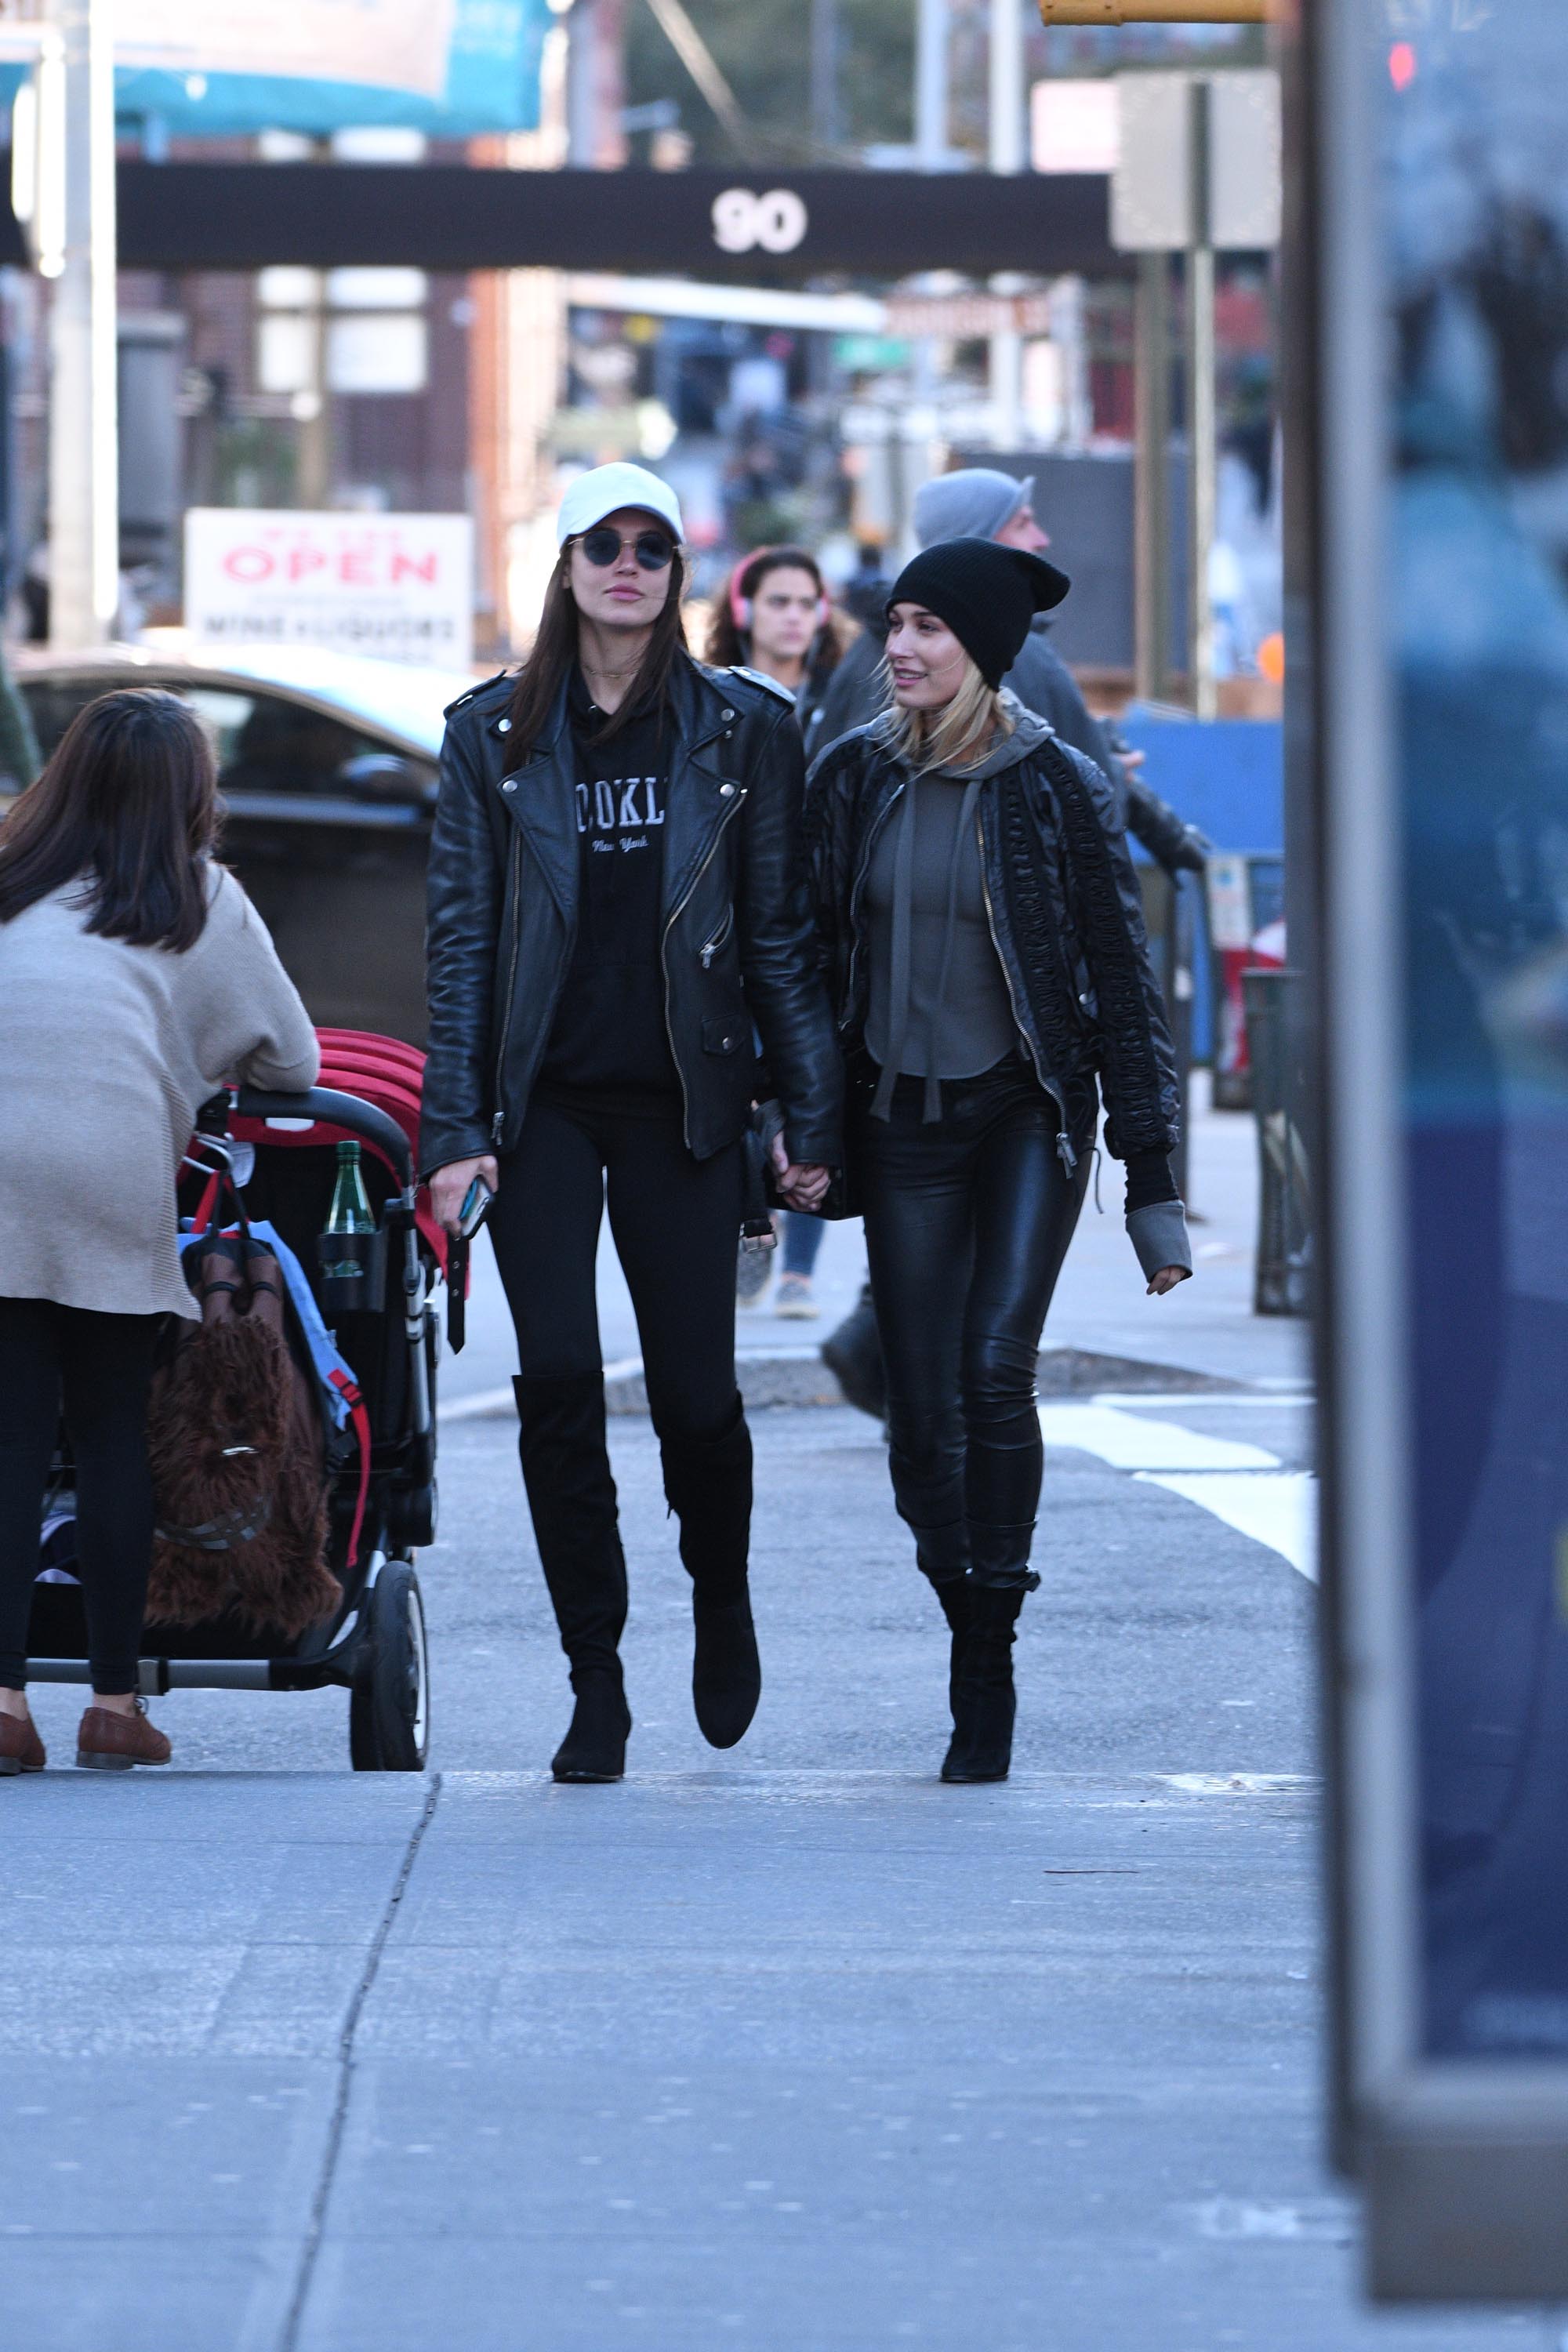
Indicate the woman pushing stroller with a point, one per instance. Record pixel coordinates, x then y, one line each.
136 979
617 897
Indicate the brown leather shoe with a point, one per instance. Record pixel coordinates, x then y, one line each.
21 1749
111 1742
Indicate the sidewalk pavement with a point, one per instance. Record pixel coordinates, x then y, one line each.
791 2050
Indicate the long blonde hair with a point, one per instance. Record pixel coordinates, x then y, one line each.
959 735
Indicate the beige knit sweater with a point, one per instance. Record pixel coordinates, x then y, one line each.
106 1050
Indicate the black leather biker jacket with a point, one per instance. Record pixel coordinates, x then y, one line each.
737 940
1066 912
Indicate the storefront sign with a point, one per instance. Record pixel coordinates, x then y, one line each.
396 586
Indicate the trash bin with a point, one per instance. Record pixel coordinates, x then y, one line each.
1282 1280
1246 929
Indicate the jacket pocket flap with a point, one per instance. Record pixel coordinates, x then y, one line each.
722 1035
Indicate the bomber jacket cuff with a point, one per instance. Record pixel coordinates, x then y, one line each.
1159 1234
439 1150
813 1146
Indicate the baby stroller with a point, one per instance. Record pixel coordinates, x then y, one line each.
281 1152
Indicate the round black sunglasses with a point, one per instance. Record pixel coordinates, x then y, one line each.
603 546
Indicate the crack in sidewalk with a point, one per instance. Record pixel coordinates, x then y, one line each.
316 2228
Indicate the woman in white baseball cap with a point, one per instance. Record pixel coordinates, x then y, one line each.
618 905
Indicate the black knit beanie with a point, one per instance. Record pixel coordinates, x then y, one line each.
987 596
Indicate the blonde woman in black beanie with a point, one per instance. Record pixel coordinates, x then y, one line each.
991 977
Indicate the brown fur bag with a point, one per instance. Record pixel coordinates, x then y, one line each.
237 1461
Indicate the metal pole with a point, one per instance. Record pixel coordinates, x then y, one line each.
931 85
1203 452
84 494
1007 109
827 116
1152 477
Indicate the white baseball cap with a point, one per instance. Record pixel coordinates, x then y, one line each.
605 490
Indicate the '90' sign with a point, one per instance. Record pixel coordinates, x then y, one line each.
742 221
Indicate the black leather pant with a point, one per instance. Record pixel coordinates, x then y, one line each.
967 1222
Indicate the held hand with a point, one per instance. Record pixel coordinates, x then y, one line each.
449 1186
1167 1279
801 1187
1132 760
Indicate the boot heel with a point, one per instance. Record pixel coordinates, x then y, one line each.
9 1764
89 1760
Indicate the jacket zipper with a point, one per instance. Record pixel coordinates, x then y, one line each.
718 939
1065 1152
675 913
498 1123
856 891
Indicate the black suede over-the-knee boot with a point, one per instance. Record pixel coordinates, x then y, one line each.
571 1499
708 1483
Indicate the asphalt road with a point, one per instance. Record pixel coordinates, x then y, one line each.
791 2050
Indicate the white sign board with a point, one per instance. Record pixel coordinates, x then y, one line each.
1075 126
396 586
1150 186
393 44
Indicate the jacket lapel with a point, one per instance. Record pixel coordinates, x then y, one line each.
542 798
702 789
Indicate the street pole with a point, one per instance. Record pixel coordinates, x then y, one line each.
826 114
1152 477
1006 112
84 485
1203 459
931 85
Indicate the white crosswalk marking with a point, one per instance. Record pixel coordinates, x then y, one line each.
1245 1485
1129 1441
1279 1509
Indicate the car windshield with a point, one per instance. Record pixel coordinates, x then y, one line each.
265 742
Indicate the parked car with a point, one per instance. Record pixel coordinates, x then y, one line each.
327 766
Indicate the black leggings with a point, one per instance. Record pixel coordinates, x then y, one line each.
98 1366
676 1223
967 1222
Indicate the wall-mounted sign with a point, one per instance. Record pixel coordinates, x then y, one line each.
396 586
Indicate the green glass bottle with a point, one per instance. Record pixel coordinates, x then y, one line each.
351 1211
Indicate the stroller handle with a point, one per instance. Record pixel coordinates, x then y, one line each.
327 1108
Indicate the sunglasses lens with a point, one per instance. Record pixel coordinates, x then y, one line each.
601 546
653 551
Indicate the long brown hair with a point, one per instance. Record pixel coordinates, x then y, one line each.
726 645
554 649
127 804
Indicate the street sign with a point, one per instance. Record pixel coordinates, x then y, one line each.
762 230
397 587
1152 184
1434 414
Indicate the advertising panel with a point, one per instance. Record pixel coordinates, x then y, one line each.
1442 591
396 586
398 44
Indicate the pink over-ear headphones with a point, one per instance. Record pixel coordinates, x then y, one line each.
740 605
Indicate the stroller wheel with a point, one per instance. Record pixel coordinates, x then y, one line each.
389 1706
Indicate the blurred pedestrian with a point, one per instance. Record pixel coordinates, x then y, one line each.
774 615
616 893
136 979
989 963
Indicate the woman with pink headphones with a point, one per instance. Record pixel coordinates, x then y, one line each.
773 614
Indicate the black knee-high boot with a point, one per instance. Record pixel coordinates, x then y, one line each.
954 1593
708 1483
985 1703
571 1499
